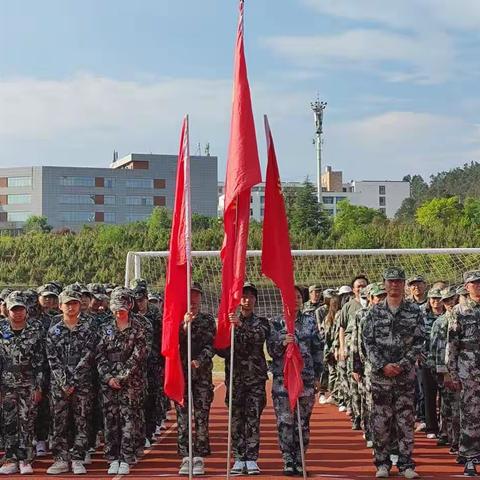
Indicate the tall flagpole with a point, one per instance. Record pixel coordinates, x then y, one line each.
300 437
188 252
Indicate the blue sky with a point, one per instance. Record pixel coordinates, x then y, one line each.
79 79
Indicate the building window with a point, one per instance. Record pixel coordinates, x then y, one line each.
262 200
77 181
77 199
109 182
139 200
383 210
328 200
382 201
19 181
251 212
18 216
262 212
344 189
136 217
20 199
381 189
109 217
139 183
159 183
77 217
109 199
339 199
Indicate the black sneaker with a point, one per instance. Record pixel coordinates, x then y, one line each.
470 469
298 470
357 424
442 442
453 451
289 469
461 460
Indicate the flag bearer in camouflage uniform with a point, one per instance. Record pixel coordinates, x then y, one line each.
203 333
393 336
120 358
311 347
249 377
450 399
463 363
22 361
70 344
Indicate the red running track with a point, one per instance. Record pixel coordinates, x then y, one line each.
335 452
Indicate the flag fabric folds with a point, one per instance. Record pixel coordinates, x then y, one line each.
175 302
243 172
277 264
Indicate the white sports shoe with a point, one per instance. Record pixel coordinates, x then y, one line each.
410 473
184 466
431 436
78 468
148 444
113 468
382 472
238 468
198 466
123 469
394 459
9 468
342 408
252 467
60 466
25 468
88 459
41 448
322 399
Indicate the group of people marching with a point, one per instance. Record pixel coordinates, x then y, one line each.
79 364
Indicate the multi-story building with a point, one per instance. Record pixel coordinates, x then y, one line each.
126 192
384 195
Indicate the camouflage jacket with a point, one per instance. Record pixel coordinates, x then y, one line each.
331 337
250 365
347 316
429 319
100 318
155 317
438 345
393 338
22 355
310 307
71 353
356 358
146 322
203 333
463 344
311 346
121 353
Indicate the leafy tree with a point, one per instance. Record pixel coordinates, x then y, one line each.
440 212
37 223
350 216
471 212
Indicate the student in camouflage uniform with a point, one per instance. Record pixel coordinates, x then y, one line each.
393 336
314 299
120 357
347 320
249 377
463 363
311 347
418 290
203 330
70 344
22 361
450 399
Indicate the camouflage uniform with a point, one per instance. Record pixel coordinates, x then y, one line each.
71 355
203 332
249 377
463 363
397 338
311 347
121 355
22 361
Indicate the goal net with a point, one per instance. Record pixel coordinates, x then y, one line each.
330 268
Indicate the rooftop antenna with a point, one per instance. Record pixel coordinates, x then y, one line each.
207 149
318 107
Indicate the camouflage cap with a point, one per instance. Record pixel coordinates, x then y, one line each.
56 285
154 296
109 287
250 286
69 295
330 292
377 290
461 290
47 290
196 287
101 297
448 292
5 293
416 278
139 287
15 299
120 299
434 293
471 276
394 273
314 288
96 288
344 289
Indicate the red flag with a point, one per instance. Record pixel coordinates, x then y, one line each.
277 264
243 171
175 303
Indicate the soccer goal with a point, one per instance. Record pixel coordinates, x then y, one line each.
330 268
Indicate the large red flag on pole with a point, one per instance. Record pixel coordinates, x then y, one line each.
177 286
243 172
277 264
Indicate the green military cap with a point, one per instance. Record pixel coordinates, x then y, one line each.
461 290
139 287
121 299
56 285
78 287
330 292
15 299
448 292
434 293
416 278
47 290
154 296
314 287
250 286
196 287
471 276
5 293
377 290
394 273
69 295
109 287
